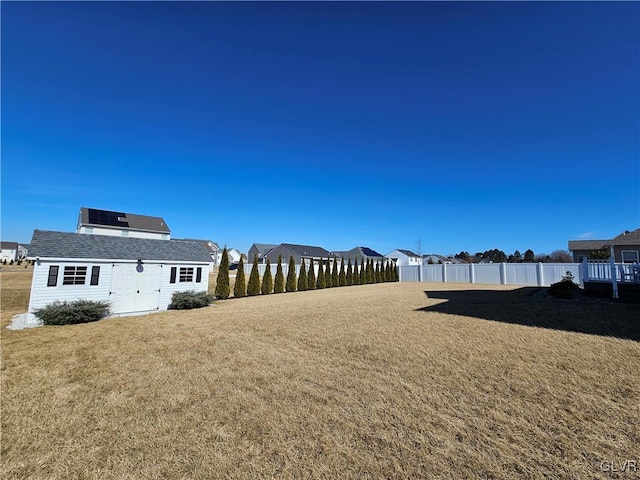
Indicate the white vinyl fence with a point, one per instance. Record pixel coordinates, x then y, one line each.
538 274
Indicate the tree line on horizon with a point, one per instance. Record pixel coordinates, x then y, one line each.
358 273
498 256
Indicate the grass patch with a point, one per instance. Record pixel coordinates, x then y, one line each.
358 382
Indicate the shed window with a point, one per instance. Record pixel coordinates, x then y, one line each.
95 275
174 272
52 281
74 276
198 274
186 274
629 256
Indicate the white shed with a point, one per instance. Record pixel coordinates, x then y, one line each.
135 275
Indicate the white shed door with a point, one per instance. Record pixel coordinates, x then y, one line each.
135 289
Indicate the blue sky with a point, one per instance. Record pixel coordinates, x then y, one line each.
467 126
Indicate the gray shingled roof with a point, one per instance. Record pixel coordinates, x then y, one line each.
629 238
9 245
263 248
307 250
136 222
47 244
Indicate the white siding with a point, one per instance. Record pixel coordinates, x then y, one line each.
117 232
9 255
41 295
167 289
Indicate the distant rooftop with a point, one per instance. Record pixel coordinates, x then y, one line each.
128 221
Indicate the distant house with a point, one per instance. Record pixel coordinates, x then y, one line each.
260 249
10 252
360 253
625 248
234 256
404 257
135 275
119 224
299 253
438 259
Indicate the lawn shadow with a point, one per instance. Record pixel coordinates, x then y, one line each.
532 306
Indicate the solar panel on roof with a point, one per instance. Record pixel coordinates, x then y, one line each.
105 217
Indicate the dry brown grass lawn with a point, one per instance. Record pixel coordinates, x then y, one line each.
358 382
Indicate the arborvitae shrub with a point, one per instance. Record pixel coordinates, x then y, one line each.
302 278
311 278
4 262
396 273
368 272
320 282
349 274
222 283
267 280
190 299
328 279
278 284
71 313
253 288
335 275
363 272
342 276
291 275
240 288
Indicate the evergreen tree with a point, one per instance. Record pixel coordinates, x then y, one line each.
369 272
291 275
376 275
302 278
278 286
388 272
396 273
311 278
328 278
253 288
240 288
529 257
267 280
349 275
342 276
363 272
222 283
320 281
335 276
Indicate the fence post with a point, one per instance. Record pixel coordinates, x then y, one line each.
472 273
540 275
420 272
444 272
614 278
503 273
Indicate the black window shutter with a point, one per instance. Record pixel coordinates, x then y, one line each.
173 275
95 275
53 276
199 275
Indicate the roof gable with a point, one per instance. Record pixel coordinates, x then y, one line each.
120 220
48 244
